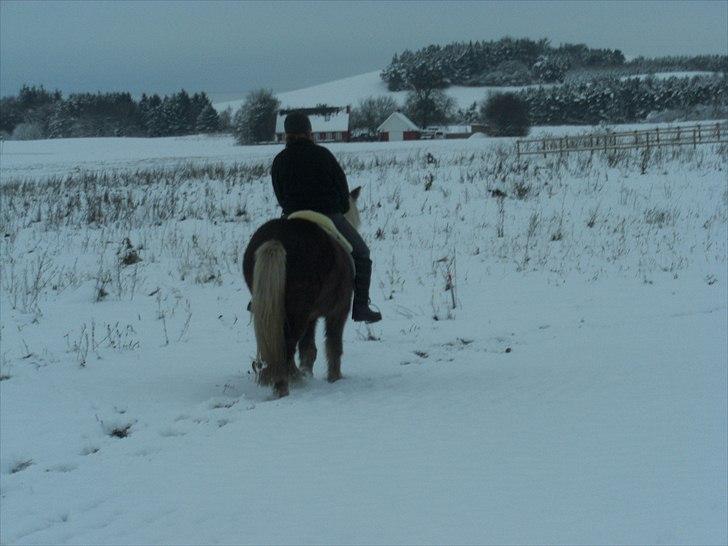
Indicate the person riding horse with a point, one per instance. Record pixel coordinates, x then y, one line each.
307 176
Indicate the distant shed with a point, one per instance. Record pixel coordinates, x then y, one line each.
398 127
328 123
452 131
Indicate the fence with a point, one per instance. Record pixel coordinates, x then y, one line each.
673 136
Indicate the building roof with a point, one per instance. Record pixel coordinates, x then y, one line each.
397 122
331 119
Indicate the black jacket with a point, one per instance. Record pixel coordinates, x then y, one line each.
307 176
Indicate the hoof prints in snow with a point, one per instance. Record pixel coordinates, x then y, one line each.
121 432
118 431
20 466
602 409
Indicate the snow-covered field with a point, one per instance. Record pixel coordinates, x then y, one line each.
552 367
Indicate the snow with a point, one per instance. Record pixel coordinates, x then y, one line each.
397 121
354 89
41 158
575 394
667 75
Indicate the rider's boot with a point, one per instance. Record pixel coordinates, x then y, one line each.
360 311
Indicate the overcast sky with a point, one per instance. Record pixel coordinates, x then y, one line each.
227 48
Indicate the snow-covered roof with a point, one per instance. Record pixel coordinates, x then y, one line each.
330 122
397 122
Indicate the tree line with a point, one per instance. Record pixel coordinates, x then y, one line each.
38 113
507 61
605 100
615 100
523 61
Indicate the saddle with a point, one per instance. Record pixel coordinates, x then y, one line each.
325 223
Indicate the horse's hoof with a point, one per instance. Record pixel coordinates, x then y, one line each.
281 389
333 377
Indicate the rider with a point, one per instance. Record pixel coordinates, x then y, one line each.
307 176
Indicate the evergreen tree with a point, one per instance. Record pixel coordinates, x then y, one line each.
505 115
207 121
198 102
152 116
225 120
255 121
548 70
177 111
11 114
61 122
36 105
429 106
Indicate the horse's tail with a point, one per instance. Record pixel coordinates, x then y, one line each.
269 288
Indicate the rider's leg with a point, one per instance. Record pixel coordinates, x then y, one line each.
363 263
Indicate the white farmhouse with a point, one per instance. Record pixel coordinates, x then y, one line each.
328 123
398 127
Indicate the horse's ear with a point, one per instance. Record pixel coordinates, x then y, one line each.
355 193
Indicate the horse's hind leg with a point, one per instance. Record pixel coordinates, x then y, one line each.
307 349
334 344
288 372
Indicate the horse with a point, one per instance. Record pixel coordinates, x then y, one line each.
297 273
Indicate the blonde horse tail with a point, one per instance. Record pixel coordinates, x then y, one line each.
268 305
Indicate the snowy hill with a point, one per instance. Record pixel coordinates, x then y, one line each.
551 367
354 89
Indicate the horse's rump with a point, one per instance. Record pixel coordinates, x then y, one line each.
319 275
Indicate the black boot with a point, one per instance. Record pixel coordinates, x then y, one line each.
360 311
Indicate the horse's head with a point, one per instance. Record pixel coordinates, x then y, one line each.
353 214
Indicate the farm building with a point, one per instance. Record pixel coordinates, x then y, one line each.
328 123
452 131
398 127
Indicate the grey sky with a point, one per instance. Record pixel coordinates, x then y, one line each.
231 47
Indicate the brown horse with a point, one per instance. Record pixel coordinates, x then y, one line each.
297 273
